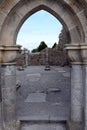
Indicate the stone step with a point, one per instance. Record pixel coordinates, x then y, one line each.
74 126
43 126
42 118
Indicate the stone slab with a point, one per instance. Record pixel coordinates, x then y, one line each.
67 74
43 118
55 126
34 76
34 118
36 97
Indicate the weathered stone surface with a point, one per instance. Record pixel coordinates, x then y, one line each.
45 99
59 10
59 126
9 53
74 126
55 57
71 13
77 53
8 96
36 97
85 97
1 116
34 77
76 93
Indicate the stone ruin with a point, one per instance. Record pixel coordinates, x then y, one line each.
56 56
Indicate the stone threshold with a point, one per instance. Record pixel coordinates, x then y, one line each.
43 118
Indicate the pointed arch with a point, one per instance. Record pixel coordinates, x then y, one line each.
24 9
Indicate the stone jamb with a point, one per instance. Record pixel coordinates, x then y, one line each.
78 57
8 89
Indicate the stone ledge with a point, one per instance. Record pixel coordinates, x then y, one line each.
77 53
42 118
10 48
9 53
76 46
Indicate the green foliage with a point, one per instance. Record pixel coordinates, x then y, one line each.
34 51
55 44
42 46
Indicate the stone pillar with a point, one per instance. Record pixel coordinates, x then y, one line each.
8 83
1 117
0 103
84 58
47 55
76 93
8 86
76 82
85 98
26 57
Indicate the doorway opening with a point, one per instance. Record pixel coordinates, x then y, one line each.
44 94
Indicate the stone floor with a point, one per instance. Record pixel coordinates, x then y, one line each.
43 95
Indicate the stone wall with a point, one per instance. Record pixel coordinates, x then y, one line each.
56 56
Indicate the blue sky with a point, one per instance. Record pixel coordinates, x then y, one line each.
41 26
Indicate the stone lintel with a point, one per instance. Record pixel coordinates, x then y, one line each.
8 54
77 53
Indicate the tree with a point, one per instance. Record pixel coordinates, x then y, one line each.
34 50
55 44
42 46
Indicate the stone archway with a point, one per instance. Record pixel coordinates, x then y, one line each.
72 14
23 10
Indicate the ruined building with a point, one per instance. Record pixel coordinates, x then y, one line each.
56 56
